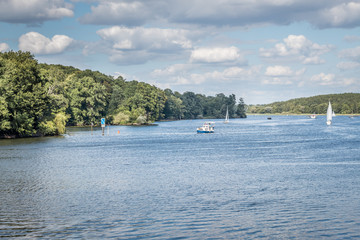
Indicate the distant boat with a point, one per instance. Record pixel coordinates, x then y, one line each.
208 127
329 115
227 115
333 114
313 116
269 118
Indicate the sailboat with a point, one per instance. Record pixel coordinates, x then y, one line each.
227 115
329 114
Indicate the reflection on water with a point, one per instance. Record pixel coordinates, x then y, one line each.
289 177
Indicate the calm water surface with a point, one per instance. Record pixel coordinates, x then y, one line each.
289 177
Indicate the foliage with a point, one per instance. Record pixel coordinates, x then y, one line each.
23 93
190 106
346 103
87 99
122 117
41 99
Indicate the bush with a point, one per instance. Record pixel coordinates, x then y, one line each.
121 118
47 128
60 122
141 119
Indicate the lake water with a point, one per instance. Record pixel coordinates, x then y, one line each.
289 177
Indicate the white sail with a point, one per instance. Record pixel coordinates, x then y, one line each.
329 114
227 115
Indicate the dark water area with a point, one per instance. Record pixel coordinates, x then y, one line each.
287 178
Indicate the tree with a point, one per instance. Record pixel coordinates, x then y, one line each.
117 95
174 107
150 99
241 108
193 109
87 100
23 95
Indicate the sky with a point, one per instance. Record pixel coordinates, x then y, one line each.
261 50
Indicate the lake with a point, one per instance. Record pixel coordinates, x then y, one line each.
289 177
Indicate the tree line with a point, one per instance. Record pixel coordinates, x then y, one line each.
42 99
345 103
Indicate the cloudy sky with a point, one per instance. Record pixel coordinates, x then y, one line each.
261 50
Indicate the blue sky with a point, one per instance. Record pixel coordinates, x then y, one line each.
261 50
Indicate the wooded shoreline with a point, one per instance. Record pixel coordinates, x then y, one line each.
42 99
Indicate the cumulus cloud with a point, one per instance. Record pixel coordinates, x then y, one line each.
346 14
173 70
216 55
298 47
348 65
4 47
331 80
118 13
229 74
33 11
154 39
321 13
39 44
277 81
281 75
313 60
349 81
139 44
186 74
324 79
351 53
278 71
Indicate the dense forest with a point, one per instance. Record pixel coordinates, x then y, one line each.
41 99
346 103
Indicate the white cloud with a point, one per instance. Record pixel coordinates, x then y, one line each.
278 71
39 44
281 75
4 47
313 60
348 65
299 48
187 74
173 70
118 13
324 79
349 81
330 80
346 14
277 81
138 45
216 55
34 11
351 53
321 13
154 39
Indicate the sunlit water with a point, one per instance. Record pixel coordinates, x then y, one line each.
289 177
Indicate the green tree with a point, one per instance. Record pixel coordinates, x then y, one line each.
148 98
87 99
193 108
173 108
23 93
241 109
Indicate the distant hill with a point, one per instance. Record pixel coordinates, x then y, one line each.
345 103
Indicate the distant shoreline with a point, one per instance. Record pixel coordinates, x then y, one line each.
297 114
